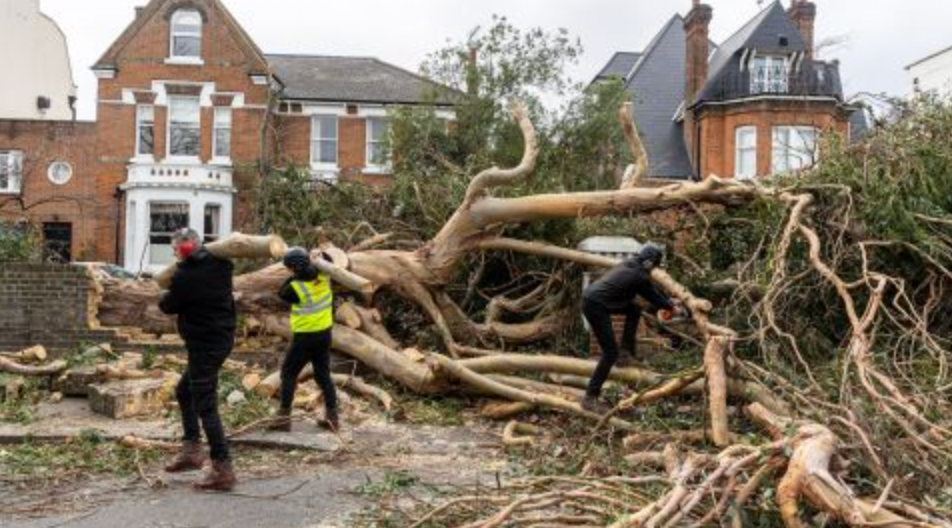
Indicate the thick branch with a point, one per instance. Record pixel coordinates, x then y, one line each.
637 171
496 177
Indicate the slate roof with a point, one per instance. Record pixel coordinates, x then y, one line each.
619 66
656 81
763 33
657 88
355 79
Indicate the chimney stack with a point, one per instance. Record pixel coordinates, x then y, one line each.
697 28
803 15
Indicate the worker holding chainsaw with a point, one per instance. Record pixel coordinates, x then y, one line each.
309 293
616 293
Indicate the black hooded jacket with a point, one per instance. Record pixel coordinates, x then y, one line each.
201 296
616 290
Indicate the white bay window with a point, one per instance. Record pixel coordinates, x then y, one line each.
794 148
165 218
745 158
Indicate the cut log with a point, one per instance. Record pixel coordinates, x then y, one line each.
35 354
11 388
13 367
74 383
717 389
235 246
127 399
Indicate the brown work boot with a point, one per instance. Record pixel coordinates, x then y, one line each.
220 478
190 458
593 404
282 422
331 421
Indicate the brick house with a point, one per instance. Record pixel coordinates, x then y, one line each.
189 110
756 104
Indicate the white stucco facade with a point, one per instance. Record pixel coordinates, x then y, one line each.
34 52
933 73
156 194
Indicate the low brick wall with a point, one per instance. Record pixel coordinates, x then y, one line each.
47 305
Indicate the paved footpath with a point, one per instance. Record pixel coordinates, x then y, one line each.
320 493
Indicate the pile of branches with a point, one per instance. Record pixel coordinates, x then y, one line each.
825 329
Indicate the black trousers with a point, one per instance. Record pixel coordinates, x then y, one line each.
313 348
600 319
197 395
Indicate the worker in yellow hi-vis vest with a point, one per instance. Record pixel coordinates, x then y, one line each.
312 318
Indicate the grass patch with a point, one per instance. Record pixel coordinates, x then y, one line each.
89 453
392 482
442 411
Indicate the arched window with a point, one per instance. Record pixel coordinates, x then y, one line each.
186 41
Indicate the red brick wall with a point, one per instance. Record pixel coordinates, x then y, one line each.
719 125
78 202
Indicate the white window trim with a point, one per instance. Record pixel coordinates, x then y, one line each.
138 156
16 184
318 165
185 59
738 153
216 159
768 80
373 168
168 132
221 215
148 227
798 129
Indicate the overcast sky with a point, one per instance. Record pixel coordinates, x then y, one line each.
882 36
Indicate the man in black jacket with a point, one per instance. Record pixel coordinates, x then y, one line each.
201 296
615 293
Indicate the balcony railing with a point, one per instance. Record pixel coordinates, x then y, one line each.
816 80
185 175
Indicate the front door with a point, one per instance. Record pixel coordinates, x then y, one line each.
57 242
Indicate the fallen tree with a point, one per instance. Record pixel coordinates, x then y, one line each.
796 250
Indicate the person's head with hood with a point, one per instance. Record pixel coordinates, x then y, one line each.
650 256
298 261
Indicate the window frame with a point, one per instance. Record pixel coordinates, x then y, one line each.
150 233
169 127
212 237
740 150
787 152
175 32
218 126
769 84
371 143
13 159
139 126
317 138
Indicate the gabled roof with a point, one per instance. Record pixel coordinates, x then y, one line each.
619 66
154 8
657 88
355 79
763 33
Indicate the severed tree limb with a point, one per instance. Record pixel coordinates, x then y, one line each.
637 171
470 377
808 475
717 389
13 367
35 354
496 177
235 246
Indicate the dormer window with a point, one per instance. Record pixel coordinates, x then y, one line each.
769 75
186 41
